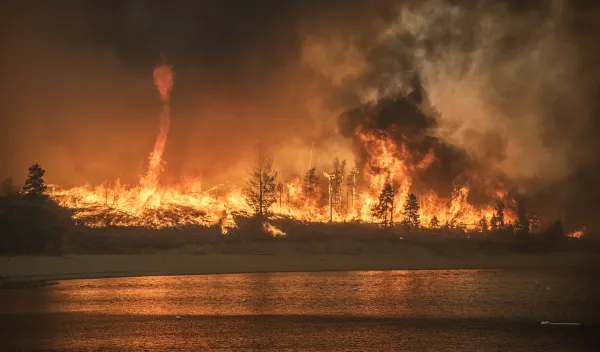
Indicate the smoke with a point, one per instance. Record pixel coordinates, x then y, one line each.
502 81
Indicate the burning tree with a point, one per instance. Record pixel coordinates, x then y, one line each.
434 223
339 173
279 190
384 206
411 212
484 224
261 189
497 221
534 223
351 188
35 185
309 183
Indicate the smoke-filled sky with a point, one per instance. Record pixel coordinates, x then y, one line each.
511 84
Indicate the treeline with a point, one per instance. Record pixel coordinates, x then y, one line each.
30 222
384 211
263 191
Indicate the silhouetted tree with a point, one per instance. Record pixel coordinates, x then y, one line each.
384 208
32 223
434 223
339 173
8 187
521 225
494 222
411 212
260 191
351 184
309 183
499 214
509 227
35 185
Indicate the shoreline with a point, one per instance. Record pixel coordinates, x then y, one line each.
40 269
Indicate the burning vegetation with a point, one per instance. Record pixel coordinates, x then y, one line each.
386 184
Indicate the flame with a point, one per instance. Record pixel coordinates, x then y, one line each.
577 234
275 232
152 205
163 79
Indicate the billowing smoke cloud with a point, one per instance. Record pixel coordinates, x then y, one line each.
503 82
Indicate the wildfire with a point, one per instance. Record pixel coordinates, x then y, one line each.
152 205
273 230
577 234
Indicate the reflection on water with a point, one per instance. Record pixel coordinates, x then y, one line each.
130 310
441 294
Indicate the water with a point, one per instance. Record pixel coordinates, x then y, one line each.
453 310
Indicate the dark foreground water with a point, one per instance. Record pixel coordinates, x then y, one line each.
454 310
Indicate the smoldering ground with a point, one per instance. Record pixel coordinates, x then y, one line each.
511 87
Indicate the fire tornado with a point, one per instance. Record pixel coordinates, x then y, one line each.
163 80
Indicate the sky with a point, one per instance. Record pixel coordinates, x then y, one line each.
512 84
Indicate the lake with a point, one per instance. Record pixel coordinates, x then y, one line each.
446 310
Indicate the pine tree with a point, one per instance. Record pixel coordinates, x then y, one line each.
384 208
434 223
522 223
309 183
260 191
411 212
35 185
494 222
499 214
8 187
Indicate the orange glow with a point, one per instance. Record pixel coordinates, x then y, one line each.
152 205
577 234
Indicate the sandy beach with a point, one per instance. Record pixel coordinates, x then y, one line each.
102 266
